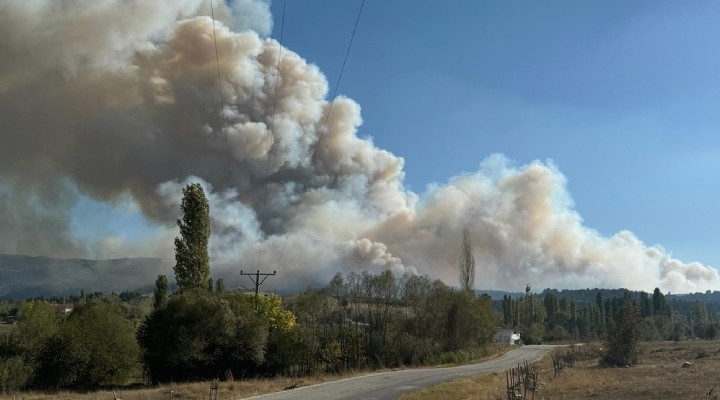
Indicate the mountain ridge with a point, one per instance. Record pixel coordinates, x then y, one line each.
24 276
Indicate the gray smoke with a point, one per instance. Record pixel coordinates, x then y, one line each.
118 100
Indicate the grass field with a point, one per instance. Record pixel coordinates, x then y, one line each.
658 375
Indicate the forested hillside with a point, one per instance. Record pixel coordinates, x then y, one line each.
26 277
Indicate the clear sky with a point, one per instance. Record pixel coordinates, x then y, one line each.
622 96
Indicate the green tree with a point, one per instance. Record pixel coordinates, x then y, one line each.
658 301
95 346
507 306
700 319
161 292
531 315
200 335
646 305
623 333
220 286
336 287
15 373
551 304
38 323
470 321
192 263
466 263
533 333
282 335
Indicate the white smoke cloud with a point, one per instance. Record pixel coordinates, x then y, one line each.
119 99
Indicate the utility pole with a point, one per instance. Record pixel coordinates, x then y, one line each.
255 278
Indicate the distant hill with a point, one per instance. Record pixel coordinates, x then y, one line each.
499 294
681 303
27 276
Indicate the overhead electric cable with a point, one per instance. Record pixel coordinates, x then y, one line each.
272 123
222 110
322 133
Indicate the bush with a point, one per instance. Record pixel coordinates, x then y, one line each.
95 346
15 373
199 335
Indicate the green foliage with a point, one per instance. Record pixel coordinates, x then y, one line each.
379 320
357 321
95 346
470 321
466 263
38 323
507 309
533 334
160 295
192 263
201 335
623 334
282 335
15 373
700 319
220 286
457 356
646 305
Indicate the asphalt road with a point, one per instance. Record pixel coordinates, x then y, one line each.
390 385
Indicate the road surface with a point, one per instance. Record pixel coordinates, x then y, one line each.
390 385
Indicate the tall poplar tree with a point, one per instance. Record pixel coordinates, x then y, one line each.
466 263
161 292
192 263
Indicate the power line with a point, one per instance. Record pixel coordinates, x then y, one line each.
257 280
272 123
222 109
322 133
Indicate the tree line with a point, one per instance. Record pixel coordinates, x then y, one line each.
359 320
551 317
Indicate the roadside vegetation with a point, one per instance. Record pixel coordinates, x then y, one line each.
659 374
358 322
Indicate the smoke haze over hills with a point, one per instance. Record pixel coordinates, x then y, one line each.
119 101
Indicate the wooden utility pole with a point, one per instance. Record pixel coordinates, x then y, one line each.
255 278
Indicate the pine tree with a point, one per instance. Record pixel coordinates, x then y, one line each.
192 264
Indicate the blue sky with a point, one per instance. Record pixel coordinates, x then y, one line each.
501 112
621 96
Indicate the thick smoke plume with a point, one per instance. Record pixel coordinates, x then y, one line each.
115 99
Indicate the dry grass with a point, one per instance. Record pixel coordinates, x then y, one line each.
478 387
183 391
658 375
